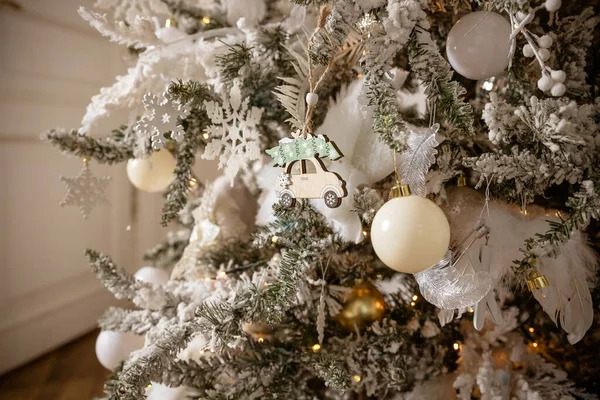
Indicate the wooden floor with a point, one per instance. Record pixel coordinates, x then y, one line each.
71 372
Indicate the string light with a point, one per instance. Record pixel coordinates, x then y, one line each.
456 346
206 20
205 136
365 233
260 340
316 347
202 351
85 160
221 274
415 297
379 276
265 283
471 310
412 303
531 330
534 344
356 378
149 386
193 182
359 76
274 239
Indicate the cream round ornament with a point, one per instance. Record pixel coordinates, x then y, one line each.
478 45
149 274
152 174
410 234
112 348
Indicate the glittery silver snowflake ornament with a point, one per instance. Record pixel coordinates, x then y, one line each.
85 190
162 116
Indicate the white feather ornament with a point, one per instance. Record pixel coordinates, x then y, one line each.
567 299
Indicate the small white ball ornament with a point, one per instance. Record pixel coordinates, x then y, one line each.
410 234
152 174
558 90
153 275
528 51
545 41
544 54
558 76
112 348
545 83
478 45
553 5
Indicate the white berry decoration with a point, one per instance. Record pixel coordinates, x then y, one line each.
558 90
528 51
552 5
545 41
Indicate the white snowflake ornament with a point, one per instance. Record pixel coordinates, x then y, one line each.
85 191
234 134
284 179
161 116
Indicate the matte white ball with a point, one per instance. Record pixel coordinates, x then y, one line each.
553 5
478 45
545 41
410 234
112 348
558 90
152 174
544 54
528 51
545 83
162 392
558 75
153 275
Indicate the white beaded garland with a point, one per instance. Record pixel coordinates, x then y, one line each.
545 83
553 5
312 98
410 234
112 348
545 41
152 174
478 45
558 90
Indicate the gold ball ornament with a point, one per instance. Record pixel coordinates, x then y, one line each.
152 174
410 234
363 305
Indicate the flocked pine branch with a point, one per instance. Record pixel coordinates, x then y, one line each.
443 93
135 321
116 148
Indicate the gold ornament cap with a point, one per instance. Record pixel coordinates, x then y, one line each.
171 23
536 281
400 190
462 180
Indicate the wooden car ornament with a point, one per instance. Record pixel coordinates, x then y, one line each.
305 176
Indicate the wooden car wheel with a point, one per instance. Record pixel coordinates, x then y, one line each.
331 199
287 200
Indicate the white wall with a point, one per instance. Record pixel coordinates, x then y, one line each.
51 63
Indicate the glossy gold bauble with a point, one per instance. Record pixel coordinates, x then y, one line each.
363 305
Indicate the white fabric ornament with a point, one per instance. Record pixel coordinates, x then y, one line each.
152 174
162 116
112 348
234 137
366 160
410 234
85 191
478 45
153 275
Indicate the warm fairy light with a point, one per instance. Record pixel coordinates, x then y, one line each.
524 212
531 330
379 276
193 182
356 378
456 346
149 386
415 297
359 76
534 344
265 283
364 52
274 239
205 136
85 160
222 274
260 340
412 303
365 233
316 347
471 310
206 20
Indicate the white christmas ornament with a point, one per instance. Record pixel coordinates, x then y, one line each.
478 45
112 348
153 275
156 391
161 116
85 190
410 234
152 174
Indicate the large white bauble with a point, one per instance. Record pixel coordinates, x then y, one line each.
410 234
153 275
161 392
478 45
112 347
152 174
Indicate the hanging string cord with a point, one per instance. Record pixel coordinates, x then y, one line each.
314 86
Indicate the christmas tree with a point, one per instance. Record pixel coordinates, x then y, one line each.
459 140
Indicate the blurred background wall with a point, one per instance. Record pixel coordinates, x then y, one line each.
51 63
